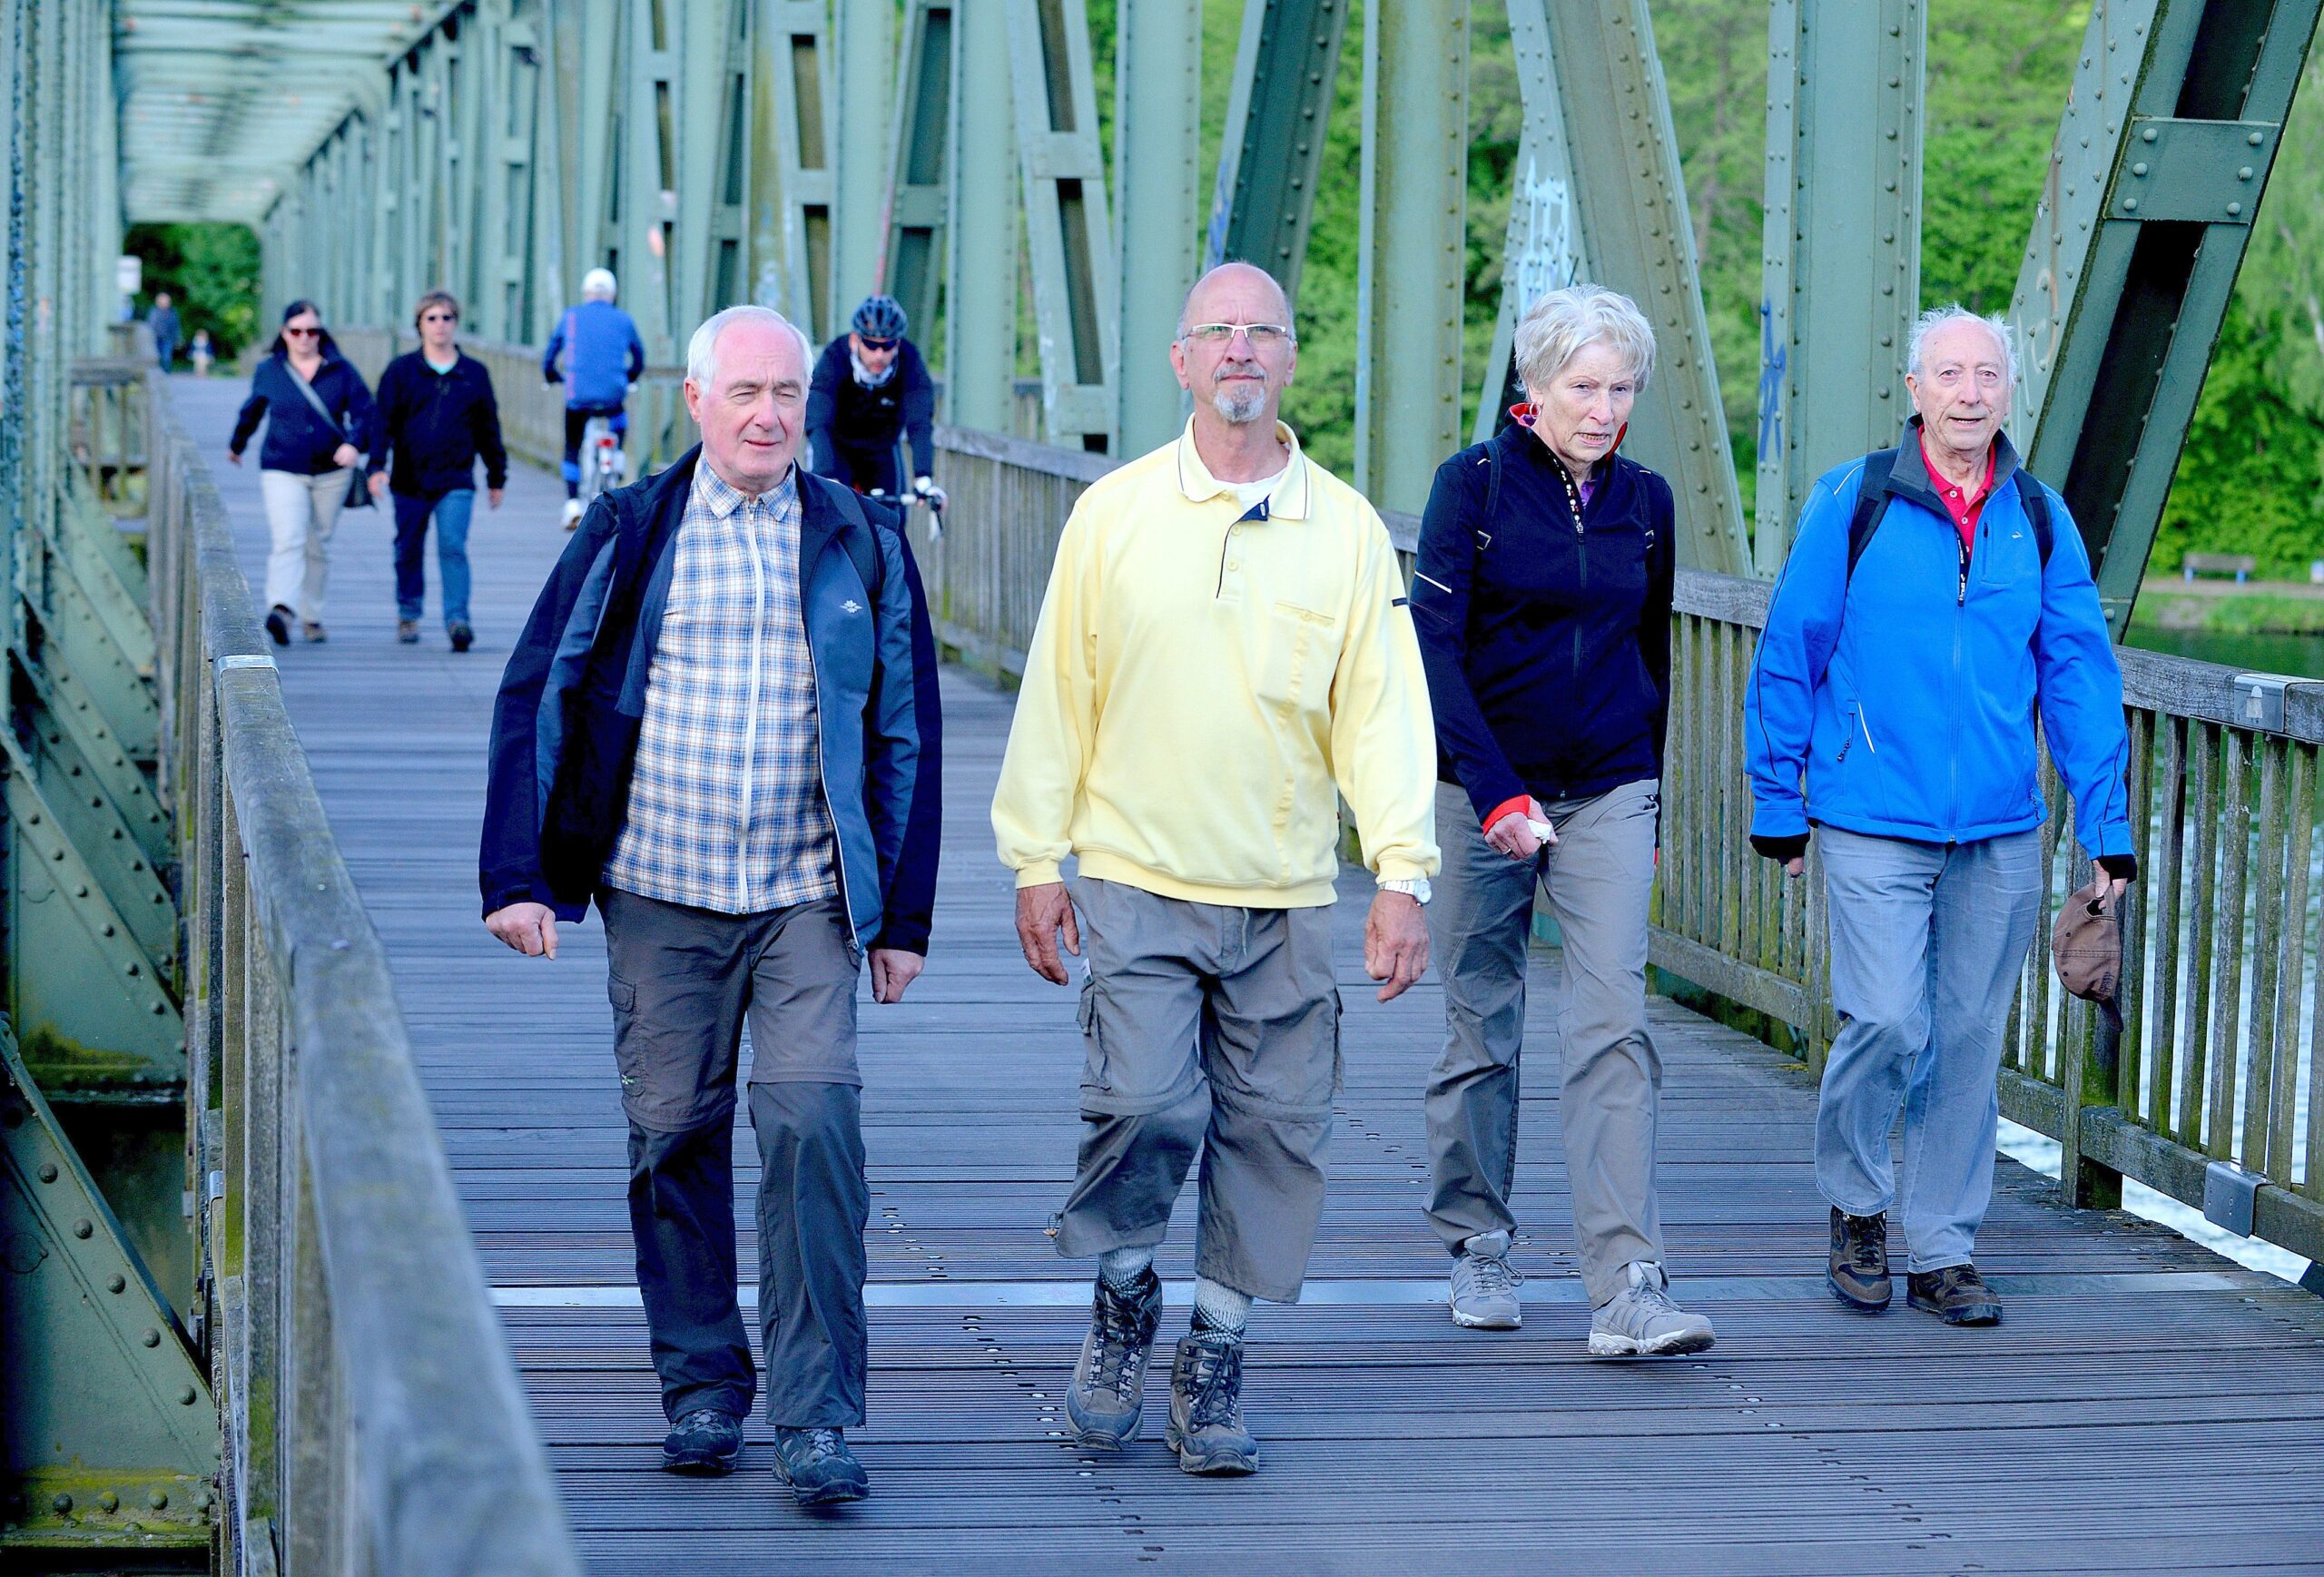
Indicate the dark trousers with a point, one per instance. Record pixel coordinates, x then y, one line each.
869 467
683 982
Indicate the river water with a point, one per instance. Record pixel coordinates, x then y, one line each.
2299 654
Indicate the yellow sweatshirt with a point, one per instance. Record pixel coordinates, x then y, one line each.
1198 682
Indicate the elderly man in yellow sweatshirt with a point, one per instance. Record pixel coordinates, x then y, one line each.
1224 643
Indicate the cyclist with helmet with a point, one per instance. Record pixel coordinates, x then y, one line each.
871 387
602 357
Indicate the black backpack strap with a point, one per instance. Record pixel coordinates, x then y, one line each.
862 542
1871 504
2035 498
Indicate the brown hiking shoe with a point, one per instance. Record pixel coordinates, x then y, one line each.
1859 1272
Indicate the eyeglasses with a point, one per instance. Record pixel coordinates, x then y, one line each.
870 344
1260 335
302 333
439 317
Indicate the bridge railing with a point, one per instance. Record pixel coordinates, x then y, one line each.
372 1417
2205 1093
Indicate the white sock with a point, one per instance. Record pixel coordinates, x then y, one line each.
1221 1307
1121 1269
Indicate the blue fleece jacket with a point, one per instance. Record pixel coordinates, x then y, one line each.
603 356
1901 702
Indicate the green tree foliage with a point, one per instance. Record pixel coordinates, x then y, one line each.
211 272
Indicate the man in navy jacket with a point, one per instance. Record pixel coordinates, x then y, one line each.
1892 707
720 723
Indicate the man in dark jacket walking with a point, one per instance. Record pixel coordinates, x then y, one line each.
163 323
720 723
437 416
871 389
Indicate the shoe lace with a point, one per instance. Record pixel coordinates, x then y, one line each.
700 1418
1651 1300
1117 1337
821 1442
1489 1275
1870 1249
1214 1385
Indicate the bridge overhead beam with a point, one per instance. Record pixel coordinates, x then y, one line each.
1841 256
1629 202
864 52
2160 160
1286 68
1157 134
1067 238
1411 246
980 237
793 131
919 136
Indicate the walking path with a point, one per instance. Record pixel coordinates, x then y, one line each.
2145 1406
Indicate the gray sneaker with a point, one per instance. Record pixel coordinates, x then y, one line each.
1642 1322
1107 1393
1485 1286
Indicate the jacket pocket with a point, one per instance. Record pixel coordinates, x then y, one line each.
1295 669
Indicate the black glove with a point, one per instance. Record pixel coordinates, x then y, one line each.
1794 847
2121 867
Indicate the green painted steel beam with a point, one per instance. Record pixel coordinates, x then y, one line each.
1411 246
863 48
2159 165
109 1437
1158 135
1841 255
919 135
793 130
1286 68
1631 202
1067 238
980 234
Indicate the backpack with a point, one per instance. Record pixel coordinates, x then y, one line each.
1492 501
863 542
1872 504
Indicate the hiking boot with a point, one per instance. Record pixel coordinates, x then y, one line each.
819 1467
704 1443
1109 1389
1485 1287
278 624
1642 1322
463 637
572 514
313 630
1206 1427
1956 1295
407 632
1859 1272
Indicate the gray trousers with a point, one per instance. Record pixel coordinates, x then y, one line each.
683 983
1209 1027
1598 878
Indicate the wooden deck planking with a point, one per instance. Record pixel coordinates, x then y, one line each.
2116 1422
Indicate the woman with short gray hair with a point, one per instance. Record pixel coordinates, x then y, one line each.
1542 599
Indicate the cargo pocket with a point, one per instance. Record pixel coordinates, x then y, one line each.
1094 1076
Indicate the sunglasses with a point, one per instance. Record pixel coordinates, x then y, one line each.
878 344
303 333
440 318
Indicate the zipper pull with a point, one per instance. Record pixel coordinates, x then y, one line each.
1961 597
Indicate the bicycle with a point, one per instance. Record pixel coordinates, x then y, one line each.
603 464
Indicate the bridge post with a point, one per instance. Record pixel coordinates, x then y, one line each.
863 48
1412 247
920 137
1286 71
1842 251
1158 140
980 234
2162 158
793 129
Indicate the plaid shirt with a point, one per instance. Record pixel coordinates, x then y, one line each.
725 802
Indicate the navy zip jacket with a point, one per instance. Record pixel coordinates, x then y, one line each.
565 728
842 413
1546 639
438 423
297 439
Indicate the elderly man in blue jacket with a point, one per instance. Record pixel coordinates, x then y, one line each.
596 353
1936 597
721 724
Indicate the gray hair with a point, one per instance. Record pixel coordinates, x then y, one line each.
1952 312
1559 323
702 350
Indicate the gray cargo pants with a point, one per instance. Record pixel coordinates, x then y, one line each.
1598 878
1211 1026
682 981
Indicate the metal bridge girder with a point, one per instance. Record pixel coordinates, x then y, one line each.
2162 158
793 130
918 184
1286 71
1158 137
981 228
1066 232
863 55
1842 244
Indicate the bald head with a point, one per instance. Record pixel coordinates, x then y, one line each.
1235 285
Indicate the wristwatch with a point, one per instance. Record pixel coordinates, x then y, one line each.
1413 887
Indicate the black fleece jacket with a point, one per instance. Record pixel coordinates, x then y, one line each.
1546 640
436 424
